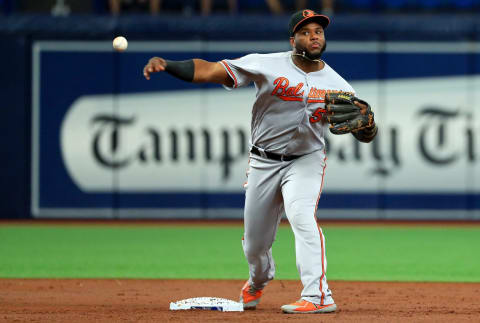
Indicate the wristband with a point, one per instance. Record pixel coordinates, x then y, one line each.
183 70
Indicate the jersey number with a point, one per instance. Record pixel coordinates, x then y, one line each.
318 115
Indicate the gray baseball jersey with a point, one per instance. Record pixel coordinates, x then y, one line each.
283 115
286 120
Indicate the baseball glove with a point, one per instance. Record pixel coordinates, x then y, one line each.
347 113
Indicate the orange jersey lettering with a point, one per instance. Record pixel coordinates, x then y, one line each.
286 93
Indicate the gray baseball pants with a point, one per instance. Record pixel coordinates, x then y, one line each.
295 186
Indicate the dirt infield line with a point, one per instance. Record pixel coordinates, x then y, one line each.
129 300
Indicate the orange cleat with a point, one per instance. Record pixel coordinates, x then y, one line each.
250 296
305 307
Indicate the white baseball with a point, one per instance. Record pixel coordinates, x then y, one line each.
120 43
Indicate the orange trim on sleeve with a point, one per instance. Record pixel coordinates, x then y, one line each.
230 72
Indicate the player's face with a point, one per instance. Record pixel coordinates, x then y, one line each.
311 39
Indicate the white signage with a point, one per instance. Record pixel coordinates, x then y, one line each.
197 140
177 141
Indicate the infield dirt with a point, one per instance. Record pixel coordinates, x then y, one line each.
125 300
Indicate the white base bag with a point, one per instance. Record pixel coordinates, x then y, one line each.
207 303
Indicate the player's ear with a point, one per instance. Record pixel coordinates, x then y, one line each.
292 42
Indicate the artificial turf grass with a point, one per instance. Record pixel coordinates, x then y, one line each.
404 254
380 253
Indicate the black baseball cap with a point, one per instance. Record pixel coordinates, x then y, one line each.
302 17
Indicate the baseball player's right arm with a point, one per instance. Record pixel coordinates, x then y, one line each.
193 70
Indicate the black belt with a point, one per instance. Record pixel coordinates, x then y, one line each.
273 156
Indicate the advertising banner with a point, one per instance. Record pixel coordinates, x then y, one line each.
107 143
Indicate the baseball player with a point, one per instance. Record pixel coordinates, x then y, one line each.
298 98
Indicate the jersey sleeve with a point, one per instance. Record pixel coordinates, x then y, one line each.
242 70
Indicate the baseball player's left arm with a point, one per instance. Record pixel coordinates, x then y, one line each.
193 70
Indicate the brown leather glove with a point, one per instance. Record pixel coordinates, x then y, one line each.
347 113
